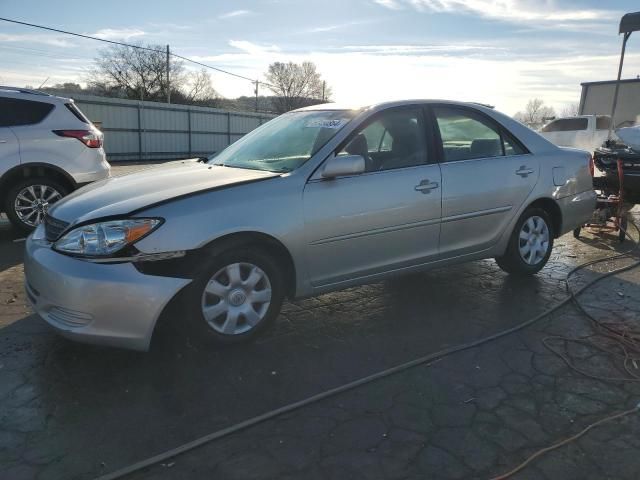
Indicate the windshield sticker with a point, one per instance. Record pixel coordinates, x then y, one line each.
335 123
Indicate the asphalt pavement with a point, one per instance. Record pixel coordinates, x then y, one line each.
72 411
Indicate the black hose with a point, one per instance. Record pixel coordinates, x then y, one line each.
376 376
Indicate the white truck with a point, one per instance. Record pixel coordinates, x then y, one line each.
586 132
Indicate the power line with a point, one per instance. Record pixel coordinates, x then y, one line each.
79 35
133 46
217 69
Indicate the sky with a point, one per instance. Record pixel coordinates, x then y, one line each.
499 52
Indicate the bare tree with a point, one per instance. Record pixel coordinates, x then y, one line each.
296 85
199 87
535 113
569 110
135 73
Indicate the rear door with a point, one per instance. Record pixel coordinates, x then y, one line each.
383 219
9 146
486 176
37 142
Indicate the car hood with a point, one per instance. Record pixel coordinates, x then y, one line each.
125 194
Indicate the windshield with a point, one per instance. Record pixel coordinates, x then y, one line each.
284 143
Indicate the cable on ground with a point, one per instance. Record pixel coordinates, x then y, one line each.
565 442
427 359
623 342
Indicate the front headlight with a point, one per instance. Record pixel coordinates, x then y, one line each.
105 238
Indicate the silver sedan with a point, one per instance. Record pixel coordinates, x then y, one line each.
316 200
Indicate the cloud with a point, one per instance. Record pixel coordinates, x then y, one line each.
445 49
253 48
234 13
41 38
390 4
118 34
339 26
516 11
504 74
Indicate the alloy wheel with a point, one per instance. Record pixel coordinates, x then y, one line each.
32 203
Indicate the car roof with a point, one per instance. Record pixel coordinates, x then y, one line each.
387 104
30 94
534 142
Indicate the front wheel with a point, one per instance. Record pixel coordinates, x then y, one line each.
530 244
238 296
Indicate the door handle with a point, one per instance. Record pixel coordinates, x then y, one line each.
3 141
524 171
425 186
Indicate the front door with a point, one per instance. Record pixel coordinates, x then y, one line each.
486 177
384 219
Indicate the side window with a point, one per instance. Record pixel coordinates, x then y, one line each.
566 125
511 147
603 123
15 112
466 136
394 139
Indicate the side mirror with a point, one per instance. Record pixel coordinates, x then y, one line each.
338 166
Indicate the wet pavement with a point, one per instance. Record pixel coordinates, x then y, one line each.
75 411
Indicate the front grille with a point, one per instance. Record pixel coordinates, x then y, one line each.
53 228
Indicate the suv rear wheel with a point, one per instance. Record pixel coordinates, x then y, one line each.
27 201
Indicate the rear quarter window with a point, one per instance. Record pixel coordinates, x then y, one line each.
77 112
603 123
15 112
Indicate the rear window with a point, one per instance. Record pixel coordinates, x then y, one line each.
77 112
15 112
603 123
566 125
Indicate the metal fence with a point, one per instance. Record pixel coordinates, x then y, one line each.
136 130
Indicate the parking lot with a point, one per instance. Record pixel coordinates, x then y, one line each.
73 411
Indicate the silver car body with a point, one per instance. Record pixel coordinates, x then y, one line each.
338 233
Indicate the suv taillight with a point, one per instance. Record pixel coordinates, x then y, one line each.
592 167
91 138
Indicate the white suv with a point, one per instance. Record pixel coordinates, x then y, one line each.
48 148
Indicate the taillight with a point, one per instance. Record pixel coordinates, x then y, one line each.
91 138
592 167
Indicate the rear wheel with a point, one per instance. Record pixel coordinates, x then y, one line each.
530 244
238 296
28 201
622 234
576 232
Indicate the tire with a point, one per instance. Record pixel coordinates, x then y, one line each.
211 294
25 203
513 261
576 232
623 229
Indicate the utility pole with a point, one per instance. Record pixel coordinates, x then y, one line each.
257 83
168 79
324 83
